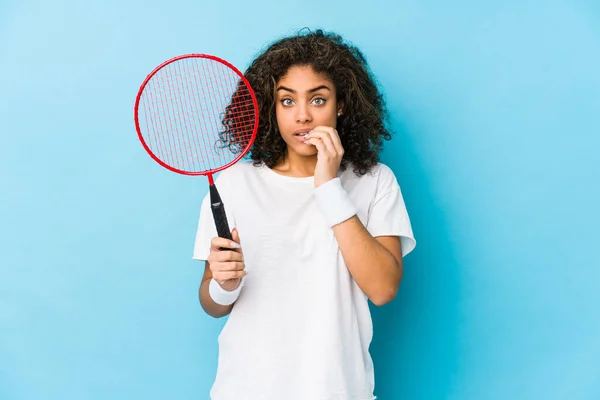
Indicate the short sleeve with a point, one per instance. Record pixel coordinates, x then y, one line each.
388 216
206 224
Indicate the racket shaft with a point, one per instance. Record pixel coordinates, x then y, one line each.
218 211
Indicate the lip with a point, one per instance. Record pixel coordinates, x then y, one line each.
301 131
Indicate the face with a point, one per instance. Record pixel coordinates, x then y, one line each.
304 100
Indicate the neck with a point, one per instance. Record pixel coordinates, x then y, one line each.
296 165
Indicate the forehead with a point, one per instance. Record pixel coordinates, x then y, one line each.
304 77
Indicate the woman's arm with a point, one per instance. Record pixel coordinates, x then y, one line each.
225 264
374 263
210 307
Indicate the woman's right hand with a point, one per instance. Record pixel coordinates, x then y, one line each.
227 266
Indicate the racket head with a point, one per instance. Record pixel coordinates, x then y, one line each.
196 114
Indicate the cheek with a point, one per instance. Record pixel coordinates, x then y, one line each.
330 118
330 112
281 116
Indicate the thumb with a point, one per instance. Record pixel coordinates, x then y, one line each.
235 235
236 238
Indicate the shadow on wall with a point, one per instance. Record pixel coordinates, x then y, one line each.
415 346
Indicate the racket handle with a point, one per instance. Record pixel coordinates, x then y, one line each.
218 211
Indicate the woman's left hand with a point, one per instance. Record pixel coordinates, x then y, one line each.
330 153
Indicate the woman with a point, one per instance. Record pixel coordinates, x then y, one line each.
320 227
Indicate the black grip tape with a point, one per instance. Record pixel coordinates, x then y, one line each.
221 221
218 211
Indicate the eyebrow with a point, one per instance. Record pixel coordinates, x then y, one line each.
309 91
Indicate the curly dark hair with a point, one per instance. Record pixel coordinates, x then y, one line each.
362 126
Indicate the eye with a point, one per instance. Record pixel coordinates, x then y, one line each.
287 102
319 101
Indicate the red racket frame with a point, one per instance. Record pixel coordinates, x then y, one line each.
208 173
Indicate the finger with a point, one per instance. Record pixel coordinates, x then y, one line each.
337 141
318 143
325 136
224 256
235 235
227 255
333 133
219 243
227 275
326 139
236 238
227 266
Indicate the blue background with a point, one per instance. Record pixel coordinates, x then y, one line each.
497 109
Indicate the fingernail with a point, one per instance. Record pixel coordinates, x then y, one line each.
234 245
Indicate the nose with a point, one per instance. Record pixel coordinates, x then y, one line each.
303 115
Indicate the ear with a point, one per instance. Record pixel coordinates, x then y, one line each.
340 106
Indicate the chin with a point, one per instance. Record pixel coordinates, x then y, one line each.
308 150
303 150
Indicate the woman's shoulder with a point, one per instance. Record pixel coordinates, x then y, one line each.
386 175
380 173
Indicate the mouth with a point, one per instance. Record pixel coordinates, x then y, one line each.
301 132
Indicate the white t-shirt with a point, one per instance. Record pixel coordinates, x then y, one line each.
301 327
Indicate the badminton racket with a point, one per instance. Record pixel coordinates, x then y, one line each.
196 114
